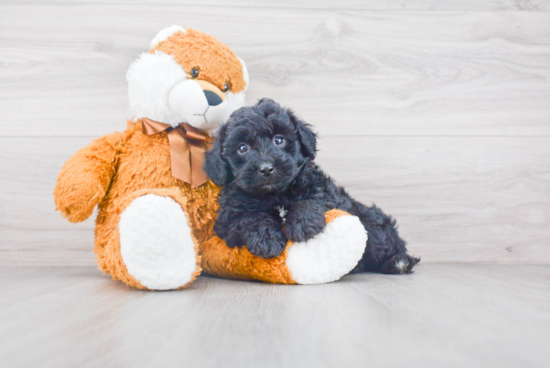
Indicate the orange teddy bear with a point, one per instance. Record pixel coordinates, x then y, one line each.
156 206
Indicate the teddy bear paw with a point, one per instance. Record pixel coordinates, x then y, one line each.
156 243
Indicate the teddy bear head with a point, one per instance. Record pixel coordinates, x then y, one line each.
187 77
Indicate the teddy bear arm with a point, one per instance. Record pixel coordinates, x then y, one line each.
85 177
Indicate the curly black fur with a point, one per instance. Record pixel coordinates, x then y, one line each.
261 176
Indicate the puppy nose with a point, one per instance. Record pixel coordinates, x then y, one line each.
266 169
212 98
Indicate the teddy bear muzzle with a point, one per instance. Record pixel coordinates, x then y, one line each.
199 103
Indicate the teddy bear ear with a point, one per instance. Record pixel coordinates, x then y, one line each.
165 33
245 73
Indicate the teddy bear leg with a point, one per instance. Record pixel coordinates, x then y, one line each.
331 254
325 258
151 245
156 244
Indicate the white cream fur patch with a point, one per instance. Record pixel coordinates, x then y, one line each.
329 255
156 243
165 33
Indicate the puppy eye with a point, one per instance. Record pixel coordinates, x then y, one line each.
194 73
279 140
226 88
243 148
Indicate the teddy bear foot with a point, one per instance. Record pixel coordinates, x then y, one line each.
324 258
156 244
331 254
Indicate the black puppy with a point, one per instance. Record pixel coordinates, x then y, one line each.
263 159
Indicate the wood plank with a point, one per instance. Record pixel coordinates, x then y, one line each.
457 199
57 248
484 5
475 199
379 73
443 315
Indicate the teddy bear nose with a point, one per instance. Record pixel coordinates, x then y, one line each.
266 169
212 98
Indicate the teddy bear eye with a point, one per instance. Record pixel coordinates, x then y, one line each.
279 140
194 73
243 148
225 88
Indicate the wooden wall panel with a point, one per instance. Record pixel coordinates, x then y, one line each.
441 117
485 5
349 72
459 199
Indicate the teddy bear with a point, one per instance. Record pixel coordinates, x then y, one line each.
156 207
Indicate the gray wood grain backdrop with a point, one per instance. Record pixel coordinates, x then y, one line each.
437 111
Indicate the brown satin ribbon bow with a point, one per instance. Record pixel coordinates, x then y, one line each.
187 148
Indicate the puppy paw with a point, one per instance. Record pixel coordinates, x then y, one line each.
267 243
399 264
302 225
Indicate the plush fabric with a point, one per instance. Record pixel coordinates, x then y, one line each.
161 88
214 60
330 255
156 243
140 166
129 165
154 231
325 258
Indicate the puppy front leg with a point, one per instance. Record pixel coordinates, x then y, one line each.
258 231
305 219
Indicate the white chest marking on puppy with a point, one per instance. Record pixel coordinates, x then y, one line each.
282 213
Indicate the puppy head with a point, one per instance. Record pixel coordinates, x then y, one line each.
261 149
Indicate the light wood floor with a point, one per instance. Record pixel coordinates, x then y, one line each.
441 316
443 107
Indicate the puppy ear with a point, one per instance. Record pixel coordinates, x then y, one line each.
216 168
308 138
